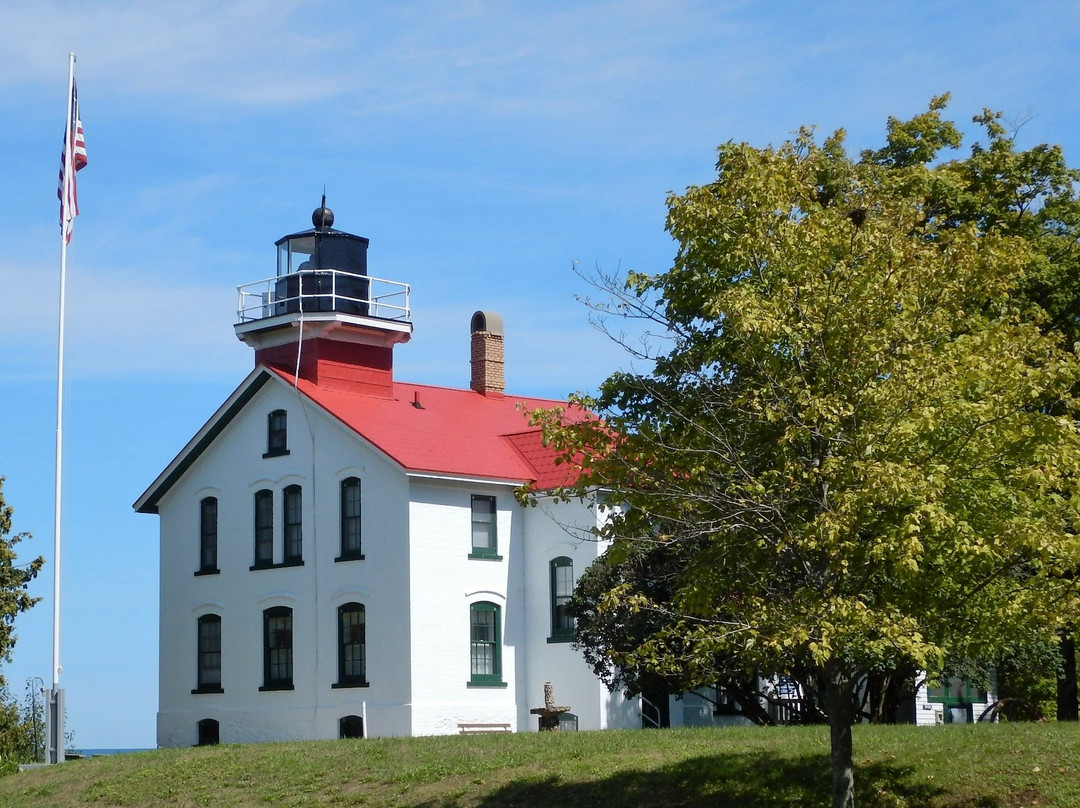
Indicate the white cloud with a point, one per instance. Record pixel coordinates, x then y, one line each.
234 51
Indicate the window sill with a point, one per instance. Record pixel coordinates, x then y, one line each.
266 688
558 638
201 690
486 684
340 685
269 566
214 571
485 556
350 557
278 453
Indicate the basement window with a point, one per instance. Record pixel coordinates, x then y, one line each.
209 732
351 726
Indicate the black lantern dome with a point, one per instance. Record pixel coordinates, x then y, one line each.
323 217
322 269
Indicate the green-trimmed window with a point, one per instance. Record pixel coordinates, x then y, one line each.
485 651
351 547
264 528
562 587
208 536
485 543
209 654
292 500
954 692
277 649
352 645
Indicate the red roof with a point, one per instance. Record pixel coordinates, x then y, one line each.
441 430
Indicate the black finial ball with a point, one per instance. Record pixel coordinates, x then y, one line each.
323 218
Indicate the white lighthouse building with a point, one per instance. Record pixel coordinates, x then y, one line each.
342 554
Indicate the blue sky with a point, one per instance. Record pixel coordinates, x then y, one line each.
484 147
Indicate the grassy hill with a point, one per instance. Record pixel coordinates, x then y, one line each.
981 766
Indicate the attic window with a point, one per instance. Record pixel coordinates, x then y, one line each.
277 434
485 543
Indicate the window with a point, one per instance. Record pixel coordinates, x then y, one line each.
350 519
954 692
352 646
209 732
294 533
957 696
277 649
351 726
209 655
484 652
264 528
562 587
726 703
568 722
484 541
277 434
207 536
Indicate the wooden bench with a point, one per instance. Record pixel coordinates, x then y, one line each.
477 729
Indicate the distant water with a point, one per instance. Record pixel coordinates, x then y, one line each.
95 752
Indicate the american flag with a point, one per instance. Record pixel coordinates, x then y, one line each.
74 154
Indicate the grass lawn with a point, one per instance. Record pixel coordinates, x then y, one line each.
972 766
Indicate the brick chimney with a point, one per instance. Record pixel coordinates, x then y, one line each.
488 376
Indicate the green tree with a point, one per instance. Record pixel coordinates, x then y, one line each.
607 633
858 442
1031 194
15 579
22 731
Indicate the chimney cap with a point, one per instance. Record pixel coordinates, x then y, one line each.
487 321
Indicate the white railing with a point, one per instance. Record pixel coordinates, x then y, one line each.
323 290
650 714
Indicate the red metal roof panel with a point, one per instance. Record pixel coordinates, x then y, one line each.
442 430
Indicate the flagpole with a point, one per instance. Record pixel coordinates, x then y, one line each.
55 752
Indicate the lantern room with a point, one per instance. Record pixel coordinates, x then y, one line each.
321 283
322 269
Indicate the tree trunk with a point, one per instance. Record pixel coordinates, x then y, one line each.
1067 706
840 703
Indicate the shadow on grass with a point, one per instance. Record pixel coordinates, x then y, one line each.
738 781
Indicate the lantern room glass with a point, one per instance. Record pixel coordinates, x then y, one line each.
293 253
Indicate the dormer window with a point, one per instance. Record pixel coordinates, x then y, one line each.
277 434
